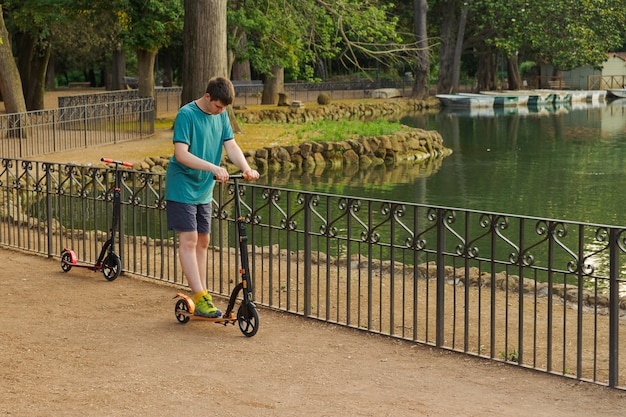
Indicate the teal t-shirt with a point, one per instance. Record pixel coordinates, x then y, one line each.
205 134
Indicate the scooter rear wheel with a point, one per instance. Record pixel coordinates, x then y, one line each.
111 266
248 319
66 262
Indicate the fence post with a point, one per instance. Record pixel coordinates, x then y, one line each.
614 268
115 126
307 255
441 247
49 221
55 118
85 116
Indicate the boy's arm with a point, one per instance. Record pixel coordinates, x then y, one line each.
181 151
237 157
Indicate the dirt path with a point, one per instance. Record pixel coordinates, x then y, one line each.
73 344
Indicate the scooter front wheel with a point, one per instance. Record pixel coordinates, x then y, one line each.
181 305
248 319
111 266
66 261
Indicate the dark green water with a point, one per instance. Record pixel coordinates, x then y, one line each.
565 163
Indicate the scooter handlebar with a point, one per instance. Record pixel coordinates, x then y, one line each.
238 176
113 161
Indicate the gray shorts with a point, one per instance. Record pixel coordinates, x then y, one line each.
189 217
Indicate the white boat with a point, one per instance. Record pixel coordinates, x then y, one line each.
536 97
508 99
466 100
596 96
524 98
581 96
618 93
558 96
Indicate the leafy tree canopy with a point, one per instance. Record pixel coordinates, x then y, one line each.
565 33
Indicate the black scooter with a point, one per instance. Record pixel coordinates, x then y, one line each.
247 316
108 261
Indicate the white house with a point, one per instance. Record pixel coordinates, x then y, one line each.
612 74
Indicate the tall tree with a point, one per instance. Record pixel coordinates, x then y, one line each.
10 83
458 49
447 37
564 33
422 64
573 33
205 43
297 35
33 23
150 25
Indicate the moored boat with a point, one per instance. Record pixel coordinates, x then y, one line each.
465 101
508 99
558 96
617 93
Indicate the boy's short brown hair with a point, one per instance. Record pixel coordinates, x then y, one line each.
221 89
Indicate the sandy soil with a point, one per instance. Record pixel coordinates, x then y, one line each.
74 344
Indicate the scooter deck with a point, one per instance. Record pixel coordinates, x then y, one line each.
230 318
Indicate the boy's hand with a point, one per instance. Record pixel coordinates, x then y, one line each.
251 175
221 174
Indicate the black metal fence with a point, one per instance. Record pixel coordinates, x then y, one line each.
90 124
539 293
168 99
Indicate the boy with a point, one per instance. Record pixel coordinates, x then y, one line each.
201 129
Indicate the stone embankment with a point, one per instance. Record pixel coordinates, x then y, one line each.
408 145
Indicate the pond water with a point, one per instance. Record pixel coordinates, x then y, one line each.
563 163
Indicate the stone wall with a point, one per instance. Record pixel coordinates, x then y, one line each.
411 146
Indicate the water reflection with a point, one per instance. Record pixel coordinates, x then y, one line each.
557 162
613 118
562 162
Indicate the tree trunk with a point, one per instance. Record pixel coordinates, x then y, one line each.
240 69
273 85
32 62
486 75
165 62
205 48
458 50
420 86
447 48
51 75
10 82
118 70
145 72
514 77
38 81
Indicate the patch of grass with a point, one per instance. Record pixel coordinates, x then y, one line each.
512 356
334 131
272 133
163 123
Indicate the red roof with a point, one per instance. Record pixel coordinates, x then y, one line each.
620 55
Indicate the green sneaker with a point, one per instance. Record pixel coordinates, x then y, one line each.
206 308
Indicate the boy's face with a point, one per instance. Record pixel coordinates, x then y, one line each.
215 106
